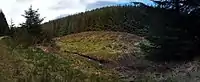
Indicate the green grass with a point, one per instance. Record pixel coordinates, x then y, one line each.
101 45
113 45
98 49
18 64
33 65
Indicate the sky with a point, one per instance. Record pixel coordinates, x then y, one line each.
52 9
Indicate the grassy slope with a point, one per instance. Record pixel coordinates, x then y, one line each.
100 44
33 65
120 47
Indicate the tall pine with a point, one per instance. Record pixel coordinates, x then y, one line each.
33 24
33 21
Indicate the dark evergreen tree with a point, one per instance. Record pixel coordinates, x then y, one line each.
33 25
33 21
12 28
177 39
4 29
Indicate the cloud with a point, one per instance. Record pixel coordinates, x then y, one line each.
99 4
62 15
68 4
23 0
50 9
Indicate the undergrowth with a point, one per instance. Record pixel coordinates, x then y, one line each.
19 64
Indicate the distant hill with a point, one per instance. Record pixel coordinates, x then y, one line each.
115 18
127 18
4 29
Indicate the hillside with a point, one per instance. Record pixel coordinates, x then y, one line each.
120 52
95 56
100 45
31 64
112 44
83 57
107 49
129 19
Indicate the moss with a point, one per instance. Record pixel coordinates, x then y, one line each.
102 45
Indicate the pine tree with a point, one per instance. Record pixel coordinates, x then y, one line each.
33 25
12 27
33 21
4 29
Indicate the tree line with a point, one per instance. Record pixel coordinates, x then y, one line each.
124 18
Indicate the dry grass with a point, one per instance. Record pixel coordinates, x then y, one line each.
33 65
122 49
99 44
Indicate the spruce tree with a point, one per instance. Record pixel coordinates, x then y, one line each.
12 28
4 29
33 24
33 21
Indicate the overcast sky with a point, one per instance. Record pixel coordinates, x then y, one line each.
51 9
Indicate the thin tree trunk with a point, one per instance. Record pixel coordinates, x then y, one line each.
177 6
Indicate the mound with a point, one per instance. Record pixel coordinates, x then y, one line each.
101 46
